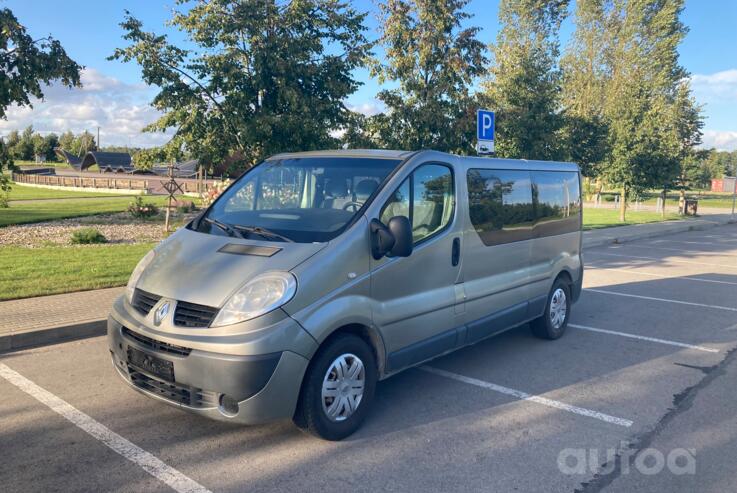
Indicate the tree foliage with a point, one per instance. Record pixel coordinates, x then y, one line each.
524 82
583 88
434 60
26 63
264 76
653 121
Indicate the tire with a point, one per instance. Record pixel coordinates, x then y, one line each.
347 409
550 326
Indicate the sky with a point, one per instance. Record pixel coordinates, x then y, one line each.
114 97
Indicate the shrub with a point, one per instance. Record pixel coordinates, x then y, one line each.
87 235
141 210
4 190
184 206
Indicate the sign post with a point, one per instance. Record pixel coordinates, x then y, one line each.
485 132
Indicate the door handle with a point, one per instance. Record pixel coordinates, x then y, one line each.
456 253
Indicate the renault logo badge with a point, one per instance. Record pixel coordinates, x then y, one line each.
161 312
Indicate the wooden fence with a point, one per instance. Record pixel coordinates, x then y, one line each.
81 182
154 184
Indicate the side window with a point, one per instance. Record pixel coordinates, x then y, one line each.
398 203
557 201
426 198
500 205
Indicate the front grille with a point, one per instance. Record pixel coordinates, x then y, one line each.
192 315
143 301
155 345
172 391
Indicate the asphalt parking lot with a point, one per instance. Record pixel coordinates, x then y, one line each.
646 371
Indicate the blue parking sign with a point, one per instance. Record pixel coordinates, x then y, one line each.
485 125
485 131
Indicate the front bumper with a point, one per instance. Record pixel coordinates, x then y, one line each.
266 386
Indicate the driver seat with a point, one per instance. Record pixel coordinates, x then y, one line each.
363 190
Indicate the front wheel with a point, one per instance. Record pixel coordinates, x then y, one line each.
338 388
554 321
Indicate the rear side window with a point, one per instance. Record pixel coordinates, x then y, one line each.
500 205
557 202
516 205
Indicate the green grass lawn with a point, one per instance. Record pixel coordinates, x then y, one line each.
47 210
26 272
721 200
21 192
606 218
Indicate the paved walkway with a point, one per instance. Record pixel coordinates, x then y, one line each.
45 319
21 320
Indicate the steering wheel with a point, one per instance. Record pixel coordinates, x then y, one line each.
354 204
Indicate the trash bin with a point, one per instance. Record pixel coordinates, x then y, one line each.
690 207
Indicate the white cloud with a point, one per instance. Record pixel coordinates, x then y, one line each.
721 140
719 86
367 108
121 110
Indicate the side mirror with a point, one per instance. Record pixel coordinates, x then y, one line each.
395 238
401 229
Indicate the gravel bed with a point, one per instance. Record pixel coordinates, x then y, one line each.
117 228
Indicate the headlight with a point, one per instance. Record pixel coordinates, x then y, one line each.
136 275
258 296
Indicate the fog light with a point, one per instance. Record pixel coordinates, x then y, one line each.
228 406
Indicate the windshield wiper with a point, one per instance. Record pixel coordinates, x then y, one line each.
225 227
263 232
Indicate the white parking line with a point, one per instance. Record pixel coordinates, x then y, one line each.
663 260
717 307
688 242
528 397
644 338
147 461
651 274
682 250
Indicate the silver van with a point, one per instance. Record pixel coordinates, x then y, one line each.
316 274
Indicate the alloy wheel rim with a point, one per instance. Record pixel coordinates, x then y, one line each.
558 308
343 386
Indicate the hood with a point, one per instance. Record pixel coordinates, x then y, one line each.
188 266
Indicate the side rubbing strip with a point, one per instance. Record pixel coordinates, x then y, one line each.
259 251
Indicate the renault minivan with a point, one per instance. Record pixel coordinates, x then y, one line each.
316 274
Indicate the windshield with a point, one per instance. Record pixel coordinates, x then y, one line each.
303 200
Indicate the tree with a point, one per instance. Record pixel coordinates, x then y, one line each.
686 122
39 146
51 142
66 141
25 64
642 96
525 80
435 63
84 143
582 98
22 150
263 76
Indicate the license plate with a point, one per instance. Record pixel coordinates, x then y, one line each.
151 364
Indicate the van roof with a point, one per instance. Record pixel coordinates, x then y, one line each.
469 161
365 153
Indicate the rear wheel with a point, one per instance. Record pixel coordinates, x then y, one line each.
338 388
554 321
